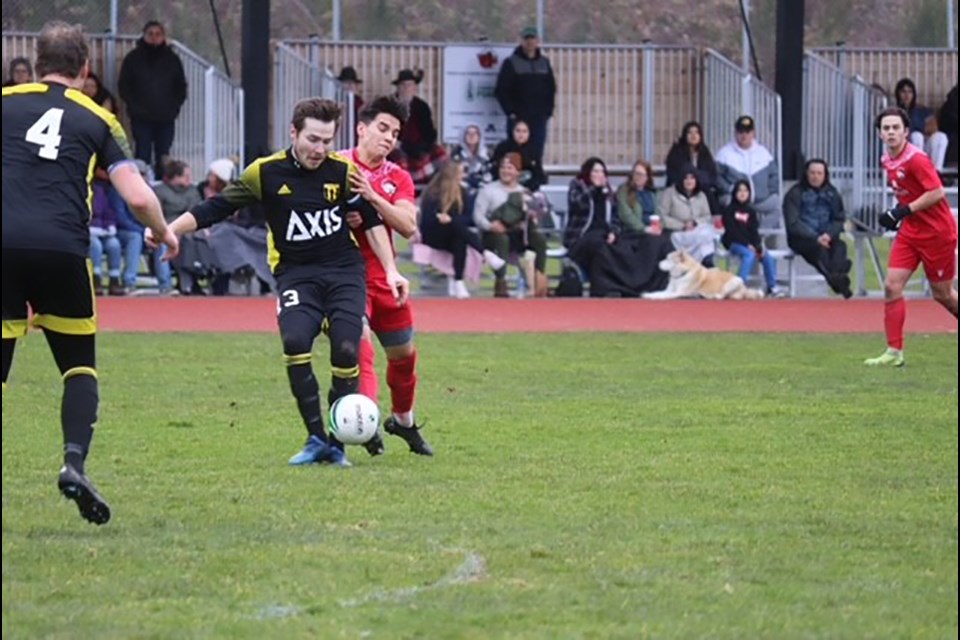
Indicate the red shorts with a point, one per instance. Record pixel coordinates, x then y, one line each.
385 316
938 256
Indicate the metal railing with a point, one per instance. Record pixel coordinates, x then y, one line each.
827 114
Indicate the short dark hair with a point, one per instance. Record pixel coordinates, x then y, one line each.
384 104
320 109
62 49
174 169
893 111
154 23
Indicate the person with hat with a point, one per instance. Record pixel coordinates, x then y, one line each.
743 158
527 89
417 150
351 82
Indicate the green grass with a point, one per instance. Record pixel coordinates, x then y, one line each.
586 486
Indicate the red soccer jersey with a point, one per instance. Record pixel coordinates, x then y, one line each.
394 184
911 174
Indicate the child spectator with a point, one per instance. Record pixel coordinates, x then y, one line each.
741 236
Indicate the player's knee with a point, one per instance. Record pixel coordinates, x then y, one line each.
944 295
892 288
295 343
344 353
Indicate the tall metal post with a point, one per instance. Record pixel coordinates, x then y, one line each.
255 56
110 64
335 31
789 83
540 19
745 39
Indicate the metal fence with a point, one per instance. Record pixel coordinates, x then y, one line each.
210 124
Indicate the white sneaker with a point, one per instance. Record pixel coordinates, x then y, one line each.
496 262
451 287
460 290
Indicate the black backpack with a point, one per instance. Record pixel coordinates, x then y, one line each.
570 285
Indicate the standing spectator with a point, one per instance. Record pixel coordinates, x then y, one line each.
690 149
949 123
686 214
417 150
925 133
637 201
21 72
527 89
351 82
813 211
445 225
743 158
94 89
741 236
154 87
591 214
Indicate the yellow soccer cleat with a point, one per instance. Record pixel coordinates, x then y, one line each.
889 358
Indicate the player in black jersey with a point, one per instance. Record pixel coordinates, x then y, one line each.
306 194
53 139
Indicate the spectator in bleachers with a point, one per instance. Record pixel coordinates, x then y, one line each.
417 150
20 72
500 212
153 87
814 215
949 123
741 237
130 234
925 132
685 212
532 175
690 149
103 239
445 225
94 89
473 154
743 158
527 89
637 201
351 84
591 214
177 194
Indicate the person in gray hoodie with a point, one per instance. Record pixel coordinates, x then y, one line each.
743 158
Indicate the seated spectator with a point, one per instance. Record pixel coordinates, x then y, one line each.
813 211
741 237
591 214
417 150
501 213
685 213
445 225
637 201
949 122
925 133
532 176
743 158
177 194
473 155
21 72
690 149
103 239
94 89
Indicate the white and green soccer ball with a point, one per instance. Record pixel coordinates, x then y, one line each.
354 419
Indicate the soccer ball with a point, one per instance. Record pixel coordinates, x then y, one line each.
354 419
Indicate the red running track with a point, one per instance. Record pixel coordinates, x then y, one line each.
489 315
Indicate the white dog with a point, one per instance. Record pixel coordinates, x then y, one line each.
690 279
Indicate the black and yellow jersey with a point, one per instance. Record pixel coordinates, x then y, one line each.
305 210
53 138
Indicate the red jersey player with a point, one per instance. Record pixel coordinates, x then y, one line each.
389 188
926 230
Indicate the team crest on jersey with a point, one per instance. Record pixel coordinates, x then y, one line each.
389 187
331 191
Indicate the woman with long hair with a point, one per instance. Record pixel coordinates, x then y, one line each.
691 150
445 225
637 201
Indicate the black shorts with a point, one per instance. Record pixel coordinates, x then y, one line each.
58 287
327 294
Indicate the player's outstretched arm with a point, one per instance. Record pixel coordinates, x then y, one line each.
380 244
144 205
400 216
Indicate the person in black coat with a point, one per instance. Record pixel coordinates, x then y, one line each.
532 176
691 150
154 87
741 237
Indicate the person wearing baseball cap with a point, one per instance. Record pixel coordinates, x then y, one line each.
527 89
743 158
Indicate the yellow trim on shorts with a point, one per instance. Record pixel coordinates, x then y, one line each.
13 329
72 326
299 358
345 372
79 371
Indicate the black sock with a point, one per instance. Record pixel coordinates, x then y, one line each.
78 413
305 389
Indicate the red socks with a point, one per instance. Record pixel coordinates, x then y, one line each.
402 380
369 384
894 315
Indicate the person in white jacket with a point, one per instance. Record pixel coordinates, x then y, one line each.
743 158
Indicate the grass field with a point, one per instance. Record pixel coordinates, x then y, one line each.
586 486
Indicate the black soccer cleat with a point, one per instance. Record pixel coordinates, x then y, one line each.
374 445
411 435
77 487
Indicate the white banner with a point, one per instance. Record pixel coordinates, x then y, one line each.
469 79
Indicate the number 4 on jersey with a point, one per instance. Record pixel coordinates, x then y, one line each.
46 133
